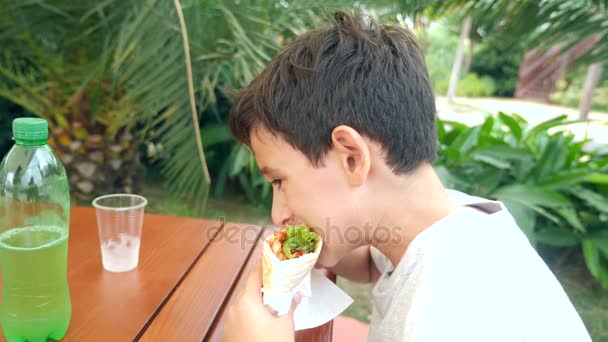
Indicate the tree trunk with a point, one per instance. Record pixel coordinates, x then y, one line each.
468 58
563 67
456 67
593 75
97 164
421 28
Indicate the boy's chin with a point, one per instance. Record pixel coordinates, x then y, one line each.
326 261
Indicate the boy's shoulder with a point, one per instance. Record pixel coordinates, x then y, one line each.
479 202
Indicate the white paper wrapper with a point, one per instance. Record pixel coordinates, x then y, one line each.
326 303
321 300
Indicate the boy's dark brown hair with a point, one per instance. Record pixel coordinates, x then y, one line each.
370 77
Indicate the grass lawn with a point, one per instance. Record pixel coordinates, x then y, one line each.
230 208
590 300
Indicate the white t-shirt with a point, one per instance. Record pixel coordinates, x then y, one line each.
472 276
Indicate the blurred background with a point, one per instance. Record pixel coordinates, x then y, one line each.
137 95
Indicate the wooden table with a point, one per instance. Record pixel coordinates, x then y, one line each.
189 271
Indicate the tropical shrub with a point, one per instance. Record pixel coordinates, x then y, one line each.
554 187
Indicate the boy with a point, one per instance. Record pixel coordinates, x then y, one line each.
342 123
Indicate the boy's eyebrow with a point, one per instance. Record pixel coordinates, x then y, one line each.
266 170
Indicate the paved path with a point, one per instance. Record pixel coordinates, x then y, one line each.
473 111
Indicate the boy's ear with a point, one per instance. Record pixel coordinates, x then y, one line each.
352 153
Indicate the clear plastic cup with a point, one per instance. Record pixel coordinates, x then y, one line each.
120 218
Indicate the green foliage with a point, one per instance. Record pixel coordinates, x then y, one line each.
121 65
474 86
440 49
470 86
126 62
55 53
537 23
500 61
8 112
105 66
570 94
554 188
243 38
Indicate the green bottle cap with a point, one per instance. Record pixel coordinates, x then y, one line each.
30 131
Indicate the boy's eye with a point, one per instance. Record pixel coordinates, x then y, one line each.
276 182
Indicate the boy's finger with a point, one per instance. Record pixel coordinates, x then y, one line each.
254 280
297 298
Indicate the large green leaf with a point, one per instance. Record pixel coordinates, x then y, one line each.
240 159
449 179
463 143
549 215
216 134
574 152
452 130
556 236
471 176
598 178
591 197
595 262
543 127
487 126
565 179
600 239
504 152
525 218
512 124
247 187
571 216
553 155
530 195
592 257
440 130
491 160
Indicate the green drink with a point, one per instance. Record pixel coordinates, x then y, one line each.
37 303
34 230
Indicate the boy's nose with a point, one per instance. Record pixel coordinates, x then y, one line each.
281 215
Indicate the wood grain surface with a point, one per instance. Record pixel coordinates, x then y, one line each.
116 306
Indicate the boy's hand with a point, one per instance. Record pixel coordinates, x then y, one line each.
249 319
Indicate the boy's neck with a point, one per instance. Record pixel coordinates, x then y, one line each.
408 205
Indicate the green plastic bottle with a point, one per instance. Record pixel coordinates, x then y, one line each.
34 229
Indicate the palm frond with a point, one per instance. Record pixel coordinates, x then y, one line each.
539 23
135 54
187 60
152 63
